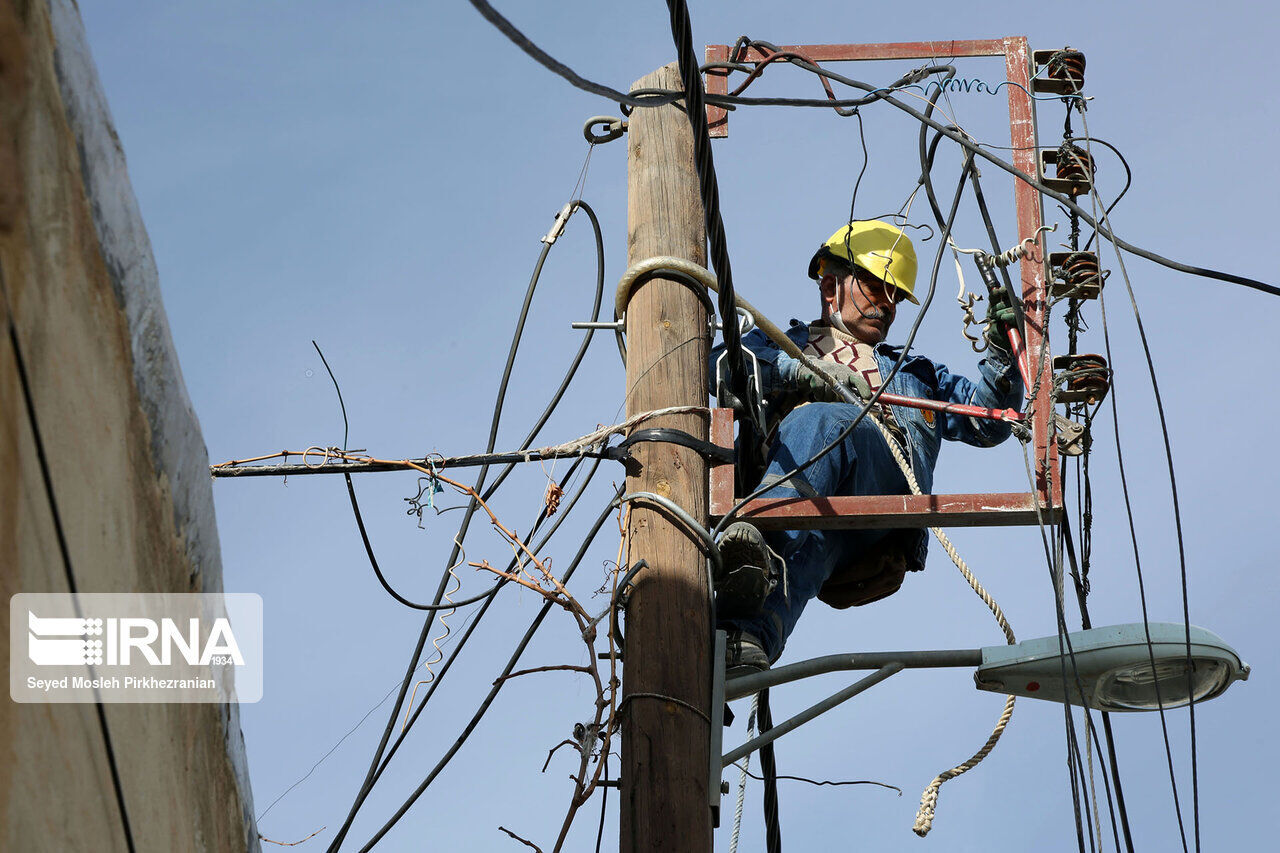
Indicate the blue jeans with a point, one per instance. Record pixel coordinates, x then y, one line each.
859 465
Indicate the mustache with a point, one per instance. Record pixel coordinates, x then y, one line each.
875 314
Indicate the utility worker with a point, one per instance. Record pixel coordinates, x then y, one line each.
864 272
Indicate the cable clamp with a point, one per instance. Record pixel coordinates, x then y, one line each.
557 227
915 75
1072 438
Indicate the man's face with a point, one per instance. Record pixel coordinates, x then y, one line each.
865 303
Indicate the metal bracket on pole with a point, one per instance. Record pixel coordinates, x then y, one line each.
717 725
812 711
885 664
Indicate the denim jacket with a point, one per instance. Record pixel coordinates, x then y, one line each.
999 386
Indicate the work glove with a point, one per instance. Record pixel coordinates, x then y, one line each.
1000 317
813 386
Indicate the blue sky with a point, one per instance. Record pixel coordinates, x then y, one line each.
376 177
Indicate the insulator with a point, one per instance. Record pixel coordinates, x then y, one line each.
1075 275
1081 275
1081 378
1060 72
1067 65
1074 164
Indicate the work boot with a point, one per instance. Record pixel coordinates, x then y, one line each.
748 572
743 654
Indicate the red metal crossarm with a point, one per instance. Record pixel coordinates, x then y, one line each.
1031 353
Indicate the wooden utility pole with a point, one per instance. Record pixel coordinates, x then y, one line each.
664 742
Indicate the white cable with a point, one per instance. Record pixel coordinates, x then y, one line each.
966 301
1017 253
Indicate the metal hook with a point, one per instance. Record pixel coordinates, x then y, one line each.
614 128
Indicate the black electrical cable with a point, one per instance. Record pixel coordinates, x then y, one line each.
1014 297
658 98
1128 182
555 400
769 770
866 160
578 356
1062 627
1111 757
471 622
1177 517
1137 560
1008 167
1053 558
869 403
604 802
1182 555
472 504
1073 747
913 76
1075 766
46 477
364 535
377 570
1066 652
749 431
498 682
1089 789
552 64
462 641
926 150
906 349
972 148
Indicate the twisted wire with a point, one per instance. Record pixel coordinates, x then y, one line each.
742 779
441 638
750 430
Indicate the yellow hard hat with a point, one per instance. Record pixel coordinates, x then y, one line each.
878 247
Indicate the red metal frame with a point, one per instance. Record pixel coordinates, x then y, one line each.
926 510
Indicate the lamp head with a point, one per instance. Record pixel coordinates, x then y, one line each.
1114 668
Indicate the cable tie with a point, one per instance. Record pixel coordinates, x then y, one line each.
435 485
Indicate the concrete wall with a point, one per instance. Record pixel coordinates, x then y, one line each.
126 465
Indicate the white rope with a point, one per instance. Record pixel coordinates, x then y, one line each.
929 799
924 819
742 778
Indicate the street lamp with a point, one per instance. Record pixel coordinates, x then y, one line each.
1114 668
1135 667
